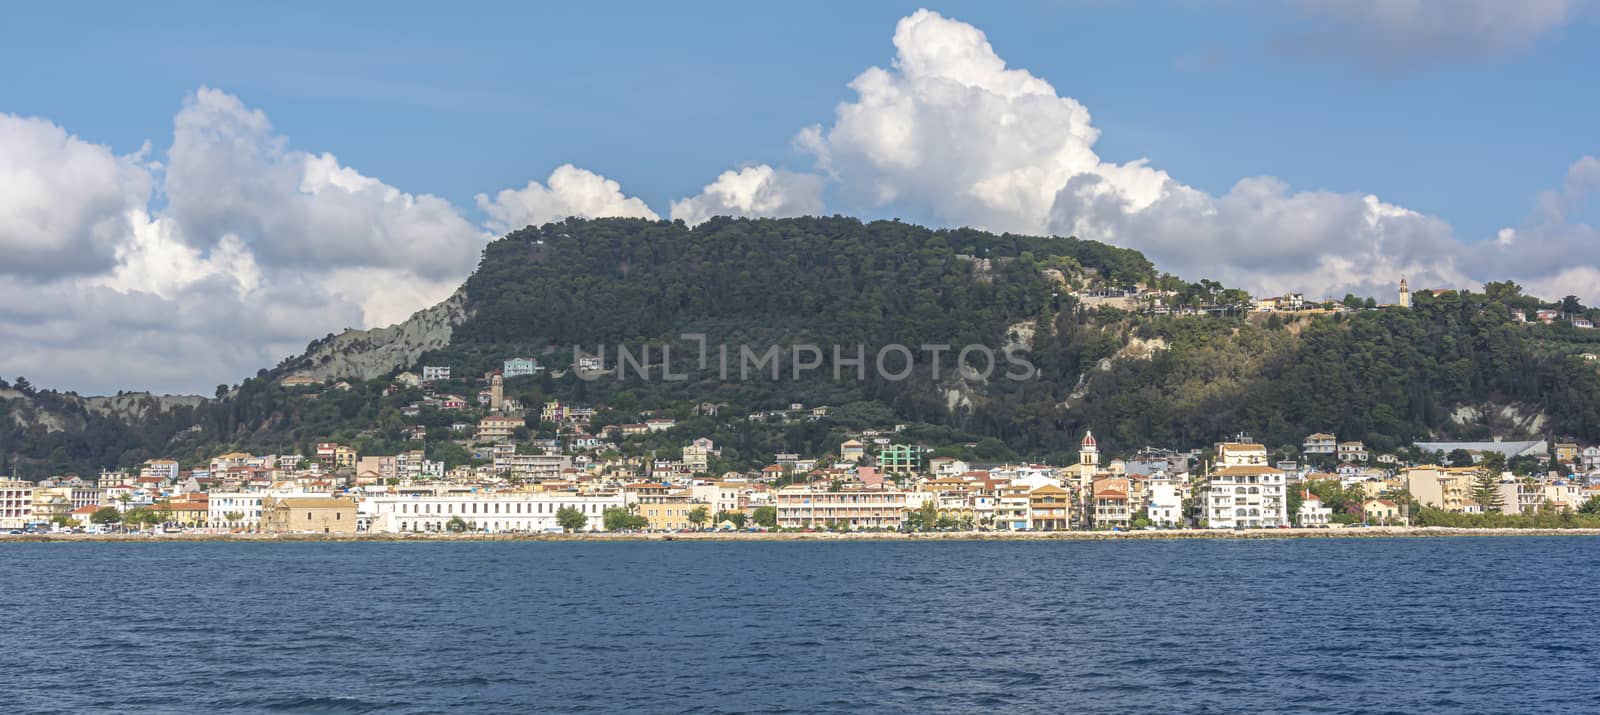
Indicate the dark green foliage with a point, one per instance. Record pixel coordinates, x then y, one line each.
1384 376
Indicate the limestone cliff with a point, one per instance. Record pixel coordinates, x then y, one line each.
365 354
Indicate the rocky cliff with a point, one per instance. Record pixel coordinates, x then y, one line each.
365 354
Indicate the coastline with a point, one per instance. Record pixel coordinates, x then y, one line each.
1185 534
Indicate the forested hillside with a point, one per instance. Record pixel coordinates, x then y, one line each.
1455 364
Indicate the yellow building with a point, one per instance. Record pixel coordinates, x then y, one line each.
1444 488
670 512
1049 509
184 512
326 515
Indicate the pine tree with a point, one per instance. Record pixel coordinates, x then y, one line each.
1486 483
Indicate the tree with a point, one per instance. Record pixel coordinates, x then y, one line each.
766 516
105 515
737 518
698 516
571 519
1486 489
456 525
623 519
1460 458
1590 507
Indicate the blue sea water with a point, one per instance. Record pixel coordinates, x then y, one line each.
1460 625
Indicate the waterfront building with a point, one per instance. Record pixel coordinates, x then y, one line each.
1518 496
800 506
1379 511
1312 513
1165 506
16 503
523 512
1049 508
322 515
1111 503
1439 487
1246 495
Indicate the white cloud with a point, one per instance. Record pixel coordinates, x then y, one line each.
1422 32
753 191
65 204
950 131
570 192
258 249
228 174
1552 253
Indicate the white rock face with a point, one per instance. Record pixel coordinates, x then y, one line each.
365 354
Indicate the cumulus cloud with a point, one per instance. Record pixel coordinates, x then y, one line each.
229 175
569 192
257 249
1422 32
948 129
1553 252
65 203
753 191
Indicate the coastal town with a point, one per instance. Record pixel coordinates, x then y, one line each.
516 482
489 463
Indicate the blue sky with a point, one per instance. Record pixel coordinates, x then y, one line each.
661 96
201 189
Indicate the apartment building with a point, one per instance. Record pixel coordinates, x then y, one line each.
1246 496
799 507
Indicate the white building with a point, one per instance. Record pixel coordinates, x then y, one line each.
1166 501
435 372
1246 497
1313 515
532 466
1241 454
1320 443
162 468
234 510
720 496
1352 452
697 455
16 503
492 512
520 366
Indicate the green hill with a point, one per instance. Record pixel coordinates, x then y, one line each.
1455 365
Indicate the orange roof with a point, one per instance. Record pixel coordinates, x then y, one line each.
1111 494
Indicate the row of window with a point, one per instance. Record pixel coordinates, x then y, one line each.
535 508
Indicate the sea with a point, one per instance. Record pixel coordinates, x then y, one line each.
1383 625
